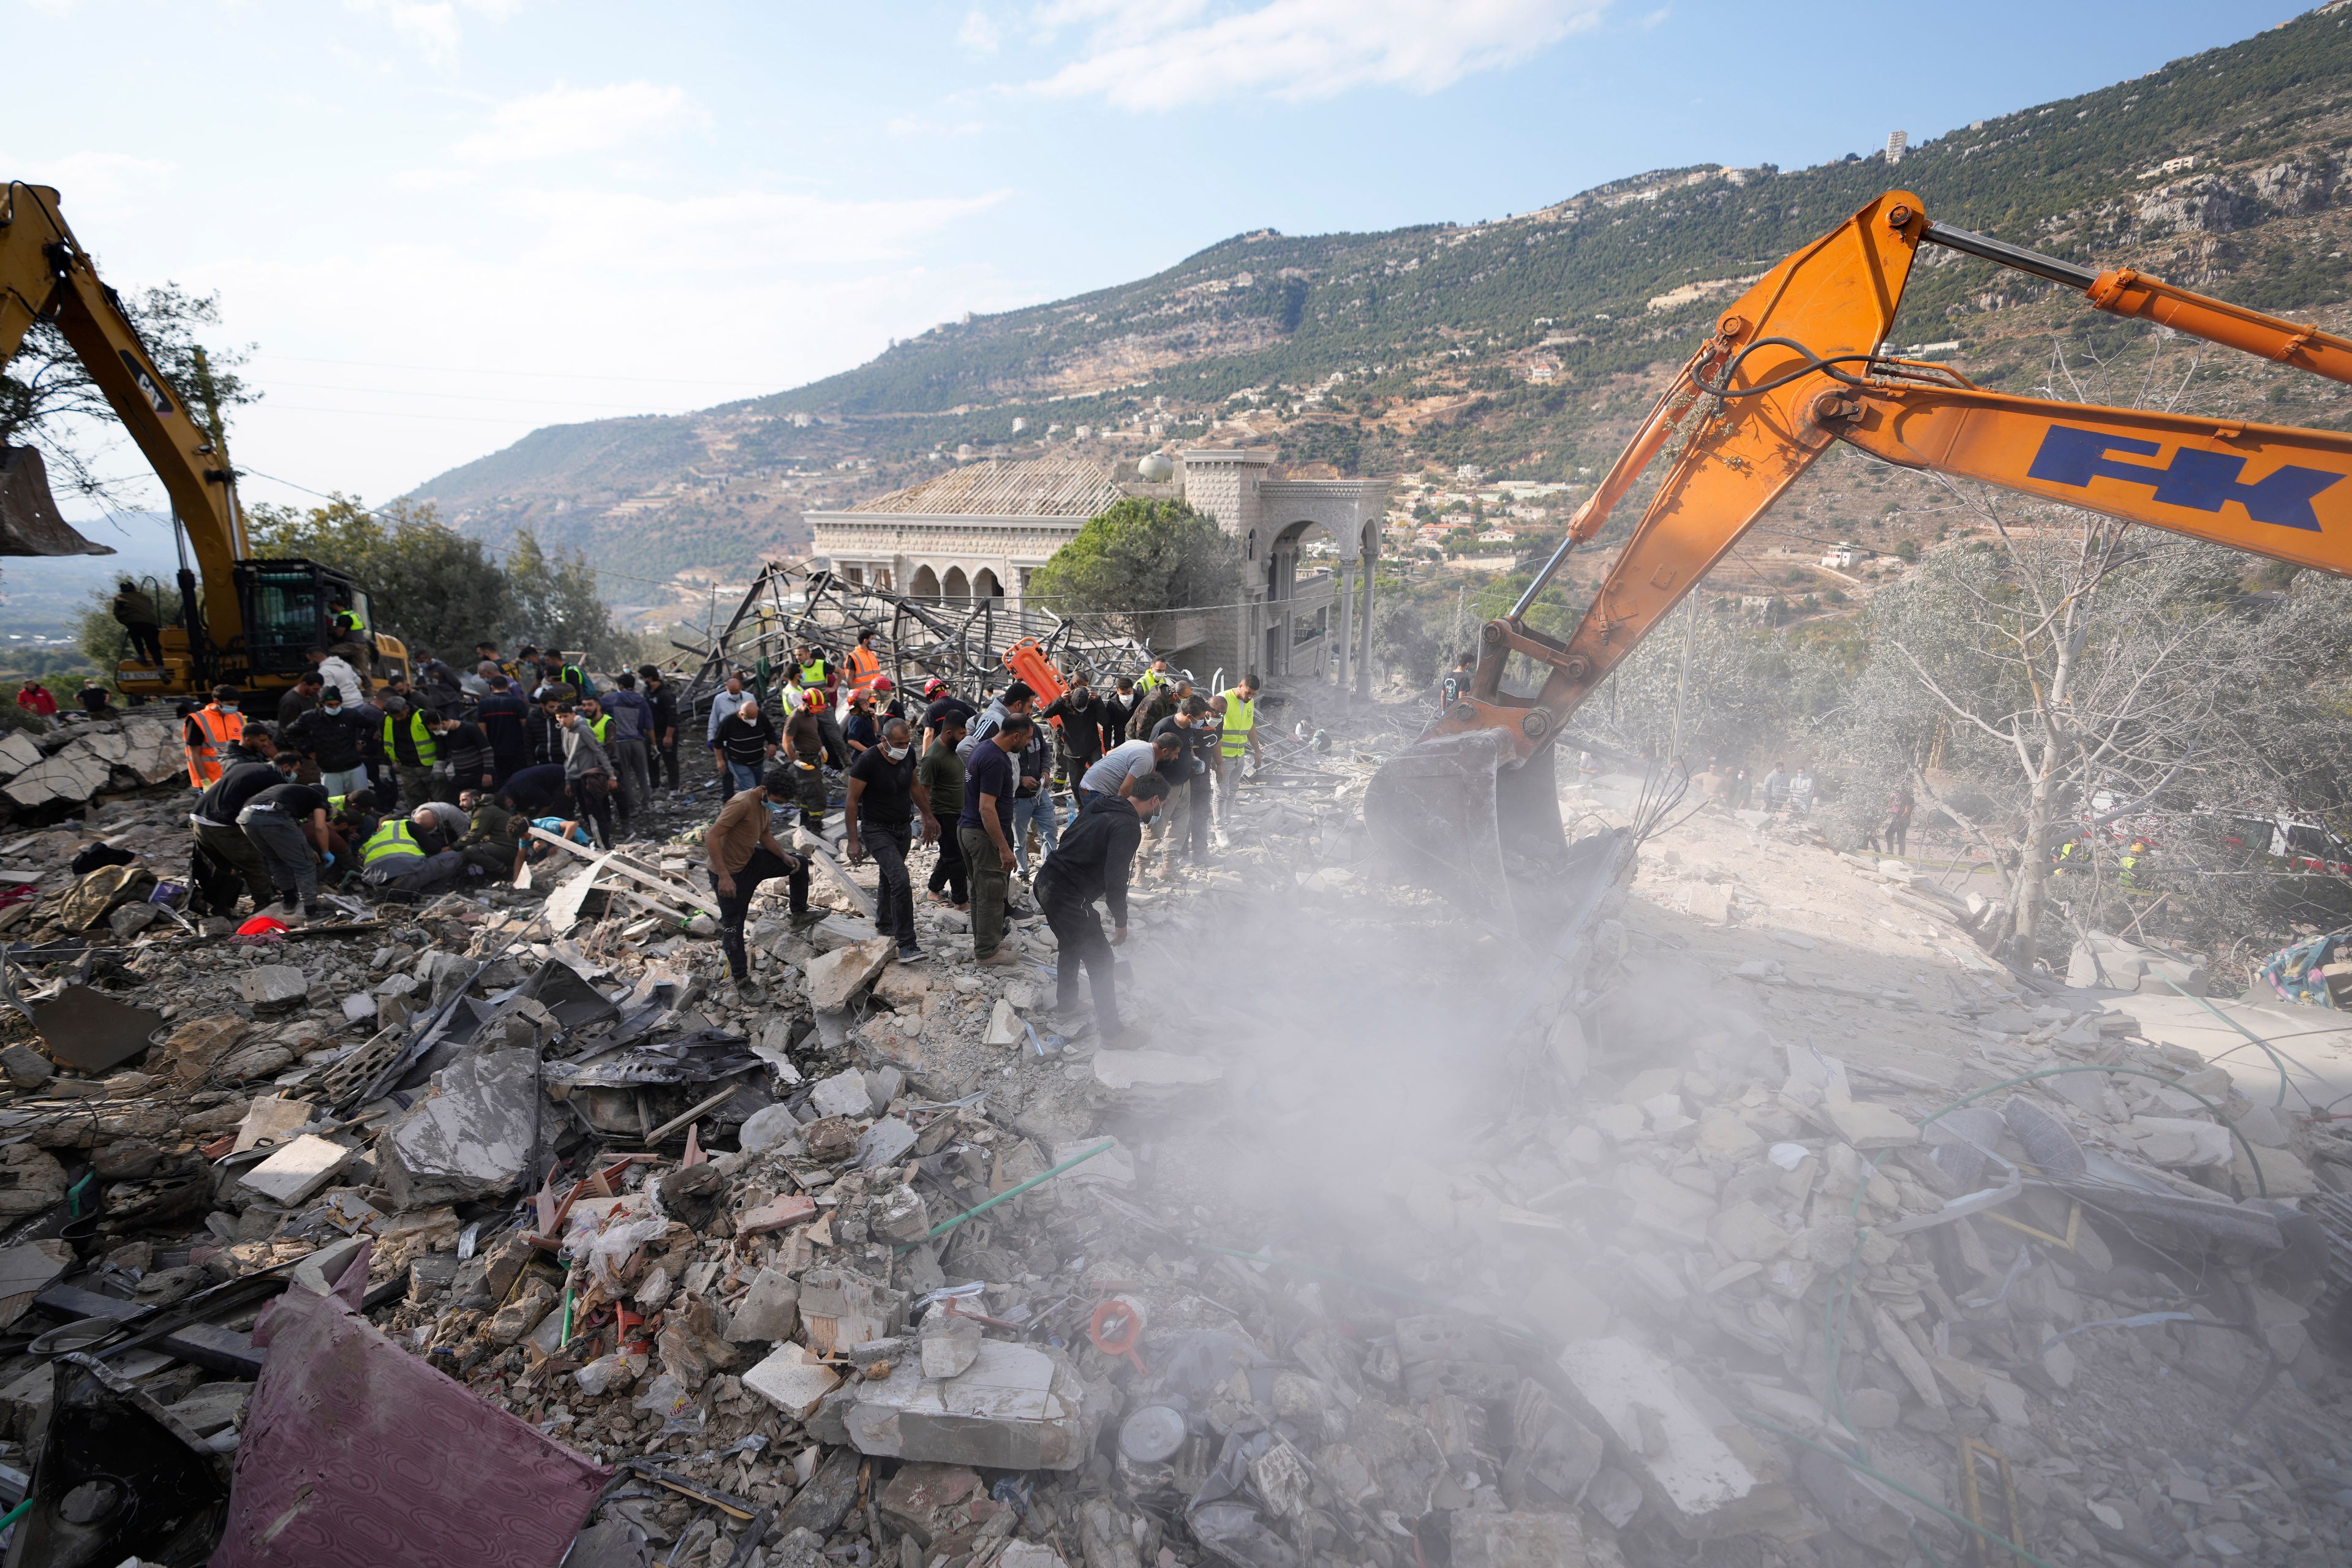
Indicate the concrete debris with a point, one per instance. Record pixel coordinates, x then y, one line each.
1406 1252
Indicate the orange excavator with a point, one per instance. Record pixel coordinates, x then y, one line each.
1472 808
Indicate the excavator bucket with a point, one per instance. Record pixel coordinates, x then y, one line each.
30 523
1456 815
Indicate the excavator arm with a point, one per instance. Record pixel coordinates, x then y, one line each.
1794 365
46 275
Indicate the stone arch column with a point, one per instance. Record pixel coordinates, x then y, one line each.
924 583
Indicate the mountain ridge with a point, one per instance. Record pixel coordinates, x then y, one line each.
1518 344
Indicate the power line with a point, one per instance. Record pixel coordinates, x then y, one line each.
534 375
449 397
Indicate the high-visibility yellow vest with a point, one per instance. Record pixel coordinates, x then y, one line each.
393 841
813 674
350 625
426 753
604 722
1240 718
1149 682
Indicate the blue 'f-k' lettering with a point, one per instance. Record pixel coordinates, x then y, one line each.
2199 480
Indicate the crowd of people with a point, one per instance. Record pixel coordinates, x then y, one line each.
409 786
1050 798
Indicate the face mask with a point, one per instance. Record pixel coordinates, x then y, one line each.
228 706
896 753
332 707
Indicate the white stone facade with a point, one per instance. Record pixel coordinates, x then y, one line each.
980 530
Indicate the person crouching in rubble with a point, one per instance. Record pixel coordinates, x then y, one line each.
493 836
589 771
1093 863
743 853
409 856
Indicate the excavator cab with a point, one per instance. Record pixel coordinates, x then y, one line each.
286 607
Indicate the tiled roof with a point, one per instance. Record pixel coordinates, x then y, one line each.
1034 486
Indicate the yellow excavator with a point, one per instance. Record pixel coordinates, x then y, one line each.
243 622
1798 363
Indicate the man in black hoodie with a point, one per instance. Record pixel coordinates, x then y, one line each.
1092 863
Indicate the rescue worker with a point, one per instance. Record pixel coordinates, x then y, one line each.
942 776
2132 871
504 717
337 739
1092 863
741 849
886 795
218 724
407 855
1152 679
214 818
864 664
662 697
494 835
407 745
723 705
135 610
588 770
804 745
287 825
1237 740
986 828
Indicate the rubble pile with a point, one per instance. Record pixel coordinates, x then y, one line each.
69 763
1397 1242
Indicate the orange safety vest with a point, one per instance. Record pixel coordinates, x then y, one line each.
864 667
220 729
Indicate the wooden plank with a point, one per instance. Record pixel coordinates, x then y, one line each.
676 1122
611 860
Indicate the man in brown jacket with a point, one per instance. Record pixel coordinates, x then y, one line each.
743 853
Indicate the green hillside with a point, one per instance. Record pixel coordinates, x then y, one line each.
1438 331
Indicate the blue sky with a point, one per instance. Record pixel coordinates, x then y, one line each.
445 222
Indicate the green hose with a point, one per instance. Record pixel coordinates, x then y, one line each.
2277 1060
946 1225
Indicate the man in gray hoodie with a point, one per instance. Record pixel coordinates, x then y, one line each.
589 774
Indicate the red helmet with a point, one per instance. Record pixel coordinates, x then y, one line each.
934 686
882 683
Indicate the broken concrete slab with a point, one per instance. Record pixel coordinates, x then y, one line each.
842 1094
1694 1461
835 977
299 1170
1129 1072
771 1310
1003 1026
471 1139
1017 1407
1868 1126
792 1380
270 1120
273 987
2179 1142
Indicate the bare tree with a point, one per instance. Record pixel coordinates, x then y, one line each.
2086 684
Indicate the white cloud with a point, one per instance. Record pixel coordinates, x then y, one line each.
430 26
979 34
914 128
567 120
1164 54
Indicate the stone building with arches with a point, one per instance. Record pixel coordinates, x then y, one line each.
981 530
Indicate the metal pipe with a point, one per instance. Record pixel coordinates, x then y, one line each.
2001 252
946 1225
